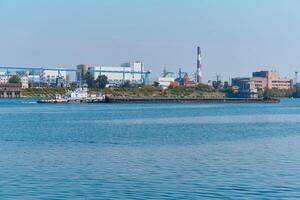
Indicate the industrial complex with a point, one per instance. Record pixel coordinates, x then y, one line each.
133 73
262 80
62 77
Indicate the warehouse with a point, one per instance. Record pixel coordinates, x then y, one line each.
10 90
133 72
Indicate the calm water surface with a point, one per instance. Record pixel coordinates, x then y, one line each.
149 151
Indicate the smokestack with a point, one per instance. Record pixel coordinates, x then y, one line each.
199 65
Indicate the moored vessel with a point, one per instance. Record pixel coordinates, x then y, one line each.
79 95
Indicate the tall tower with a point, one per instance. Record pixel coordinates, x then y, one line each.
199 65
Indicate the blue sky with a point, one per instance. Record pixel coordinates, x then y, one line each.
236 37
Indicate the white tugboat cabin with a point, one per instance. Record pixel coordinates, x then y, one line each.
79 95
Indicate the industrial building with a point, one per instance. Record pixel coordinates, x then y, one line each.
53 78
271 80
82 70
32 78
166 79
244 87
116 75
165 82
10 90
24 81
4 79
133 72
262 80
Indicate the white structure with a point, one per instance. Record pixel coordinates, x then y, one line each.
24 81
165 82
79 93
34 78
3 78
132 72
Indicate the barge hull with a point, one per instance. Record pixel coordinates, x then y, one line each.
191 100
162 100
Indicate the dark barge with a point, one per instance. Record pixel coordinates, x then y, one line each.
191 100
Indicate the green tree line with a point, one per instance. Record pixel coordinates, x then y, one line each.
14 79
100 82
292 92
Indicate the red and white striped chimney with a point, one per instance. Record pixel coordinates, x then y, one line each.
199 65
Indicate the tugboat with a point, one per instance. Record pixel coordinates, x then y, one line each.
79 95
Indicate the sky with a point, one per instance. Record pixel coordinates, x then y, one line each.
236 37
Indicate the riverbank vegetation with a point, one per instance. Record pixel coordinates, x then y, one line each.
100 82
200 90
141 90
128 90
14 79
43 92
289 93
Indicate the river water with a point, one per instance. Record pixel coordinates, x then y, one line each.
149 151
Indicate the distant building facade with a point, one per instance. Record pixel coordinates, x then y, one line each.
270 80
132 72
10 90
261 80
165 82
53 77
24 81
80 74
244 87
4 79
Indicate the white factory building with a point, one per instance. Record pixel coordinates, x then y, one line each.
27 77
4 78
165 82
24 81
133 72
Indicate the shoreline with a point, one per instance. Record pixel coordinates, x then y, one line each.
109 100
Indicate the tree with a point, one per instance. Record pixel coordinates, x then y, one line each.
14 79
203 87
101 81
89 80
73 85
296 91
155 84
126 84
229 92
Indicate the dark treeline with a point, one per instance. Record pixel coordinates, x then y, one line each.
100 82
293 92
